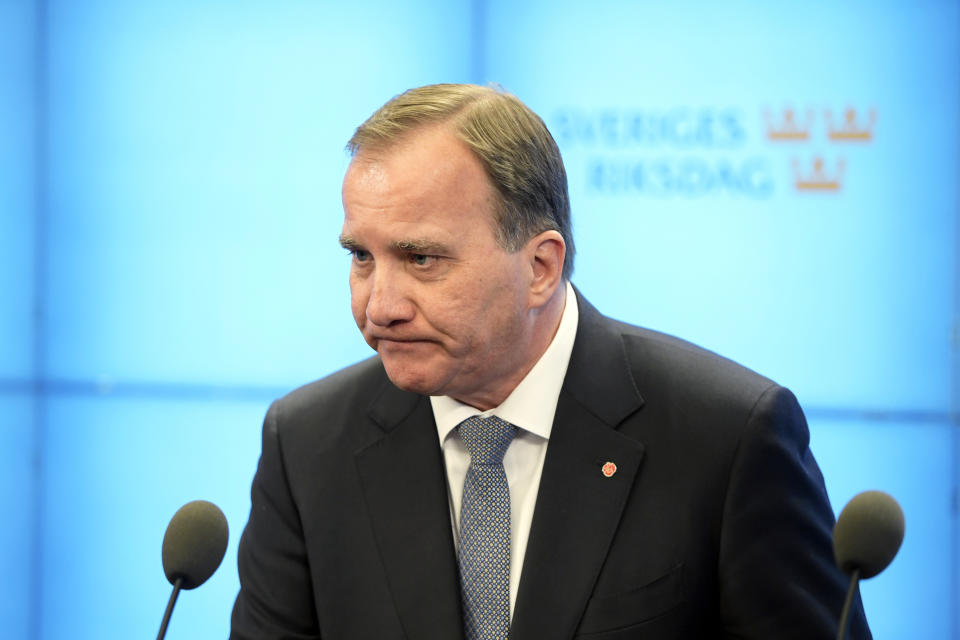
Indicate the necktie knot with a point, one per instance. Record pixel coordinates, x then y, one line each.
486 439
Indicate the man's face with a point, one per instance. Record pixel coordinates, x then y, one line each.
432 292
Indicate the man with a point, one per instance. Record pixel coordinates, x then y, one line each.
626 484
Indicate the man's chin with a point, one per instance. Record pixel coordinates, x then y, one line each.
415 378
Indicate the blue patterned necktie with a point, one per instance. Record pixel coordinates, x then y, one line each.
485 530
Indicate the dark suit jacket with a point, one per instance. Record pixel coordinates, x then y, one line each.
715 524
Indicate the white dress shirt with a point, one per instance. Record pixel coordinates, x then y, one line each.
530 407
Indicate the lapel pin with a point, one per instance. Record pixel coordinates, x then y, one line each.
608 469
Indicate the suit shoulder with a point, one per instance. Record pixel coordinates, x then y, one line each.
705 396
335 399
660 360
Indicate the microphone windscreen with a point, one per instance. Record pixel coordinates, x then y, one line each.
194 543
868 533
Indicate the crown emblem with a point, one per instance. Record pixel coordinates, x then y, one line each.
850 130
788 129
818 179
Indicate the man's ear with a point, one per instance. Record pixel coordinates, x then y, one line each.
546 252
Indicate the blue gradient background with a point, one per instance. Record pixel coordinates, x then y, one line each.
169 206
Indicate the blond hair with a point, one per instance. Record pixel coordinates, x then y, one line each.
511 141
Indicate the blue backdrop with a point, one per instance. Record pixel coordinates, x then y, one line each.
775 181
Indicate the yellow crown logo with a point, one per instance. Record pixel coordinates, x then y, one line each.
788 129
818 179
851 130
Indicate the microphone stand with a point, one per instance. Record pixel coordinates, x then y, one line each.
173 600
848 604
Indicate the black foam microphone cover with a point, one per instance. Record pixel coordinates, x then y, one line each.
868 533
194 543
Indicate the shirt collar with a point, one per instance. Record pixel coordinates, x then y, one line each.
533 403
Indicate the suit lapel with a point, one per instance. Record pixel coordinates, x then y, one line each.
578 506
402 476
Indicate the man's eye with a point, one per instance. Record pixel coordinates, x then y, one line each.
360 255
422 260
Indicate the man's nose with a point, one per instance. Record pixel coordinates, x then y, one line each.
389 301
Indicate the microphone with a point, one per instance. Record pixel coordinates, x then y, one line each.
193 548
866 538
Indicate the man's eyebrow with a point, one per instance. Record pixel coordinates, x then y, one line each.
420 246
415 245
348 242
